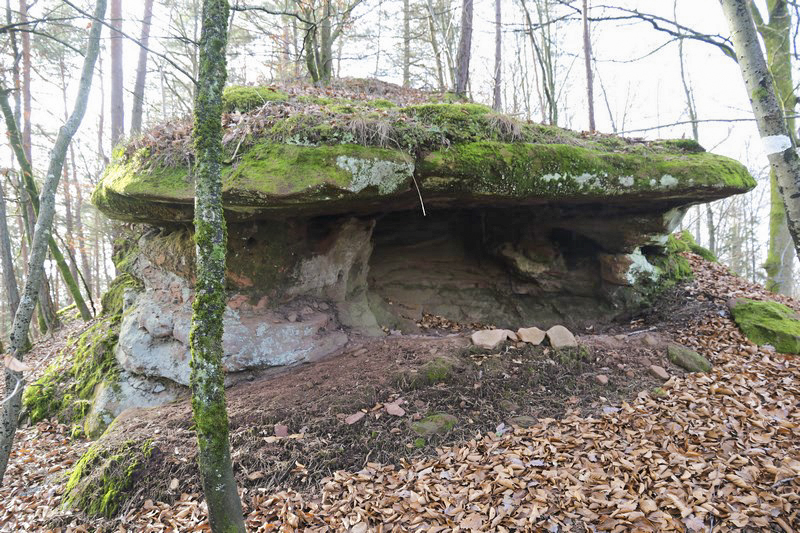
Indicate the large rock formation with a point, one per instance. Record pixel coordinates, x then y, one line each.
357 216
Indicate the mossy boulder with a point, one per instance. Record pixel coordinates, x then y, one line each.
688 359
101 480
435 424
67 387
768 323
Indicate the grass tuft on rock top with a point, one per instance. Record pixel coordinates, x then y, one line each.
684 242
243 98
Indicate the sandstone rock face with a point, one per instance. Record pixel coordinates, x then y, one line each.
533 336
659 372
561 337
128 391
492 338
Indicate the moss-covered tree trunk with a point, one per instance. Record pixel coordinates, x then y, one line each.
776 34
770 118
207 378
41 236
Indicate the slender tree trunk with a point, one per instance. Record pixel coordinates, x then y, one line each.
141 70
81 234
406 44
26 81
117 80
435 46
207 379
326 45
712 230
587 58
102 113
767 109
30 187
7 259
69 226
464 49
497 99
41 237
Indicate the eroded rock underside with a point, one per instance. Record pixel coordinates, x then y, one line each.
523 225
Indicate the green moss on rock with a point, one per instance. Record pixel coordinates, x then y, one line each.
244 98
67 386
523 170
768 323
688 359
435 424
684 242
102 479
112 301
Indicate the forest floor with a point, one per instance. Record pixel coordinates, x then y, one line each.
541 441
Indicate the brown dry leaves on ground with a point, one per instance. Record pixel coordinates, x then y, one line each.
717 452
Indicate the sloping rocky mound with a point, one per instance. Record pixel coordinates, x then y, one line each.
361 211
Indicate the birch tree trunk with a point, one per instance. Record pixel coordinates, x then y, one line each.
141 70
770 118
464 49
776 35
207 378
41 236
497 98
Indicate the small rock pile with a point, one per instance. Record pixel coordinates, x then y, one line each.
558 336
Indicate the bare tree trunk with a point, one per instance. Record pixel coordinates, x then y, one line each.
80 233
767 109
435 46
464 49
26 81
41 237
712 230
587 58
141 70
30 187
406 44
117 80
207 379
68 221
7 259
497 99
